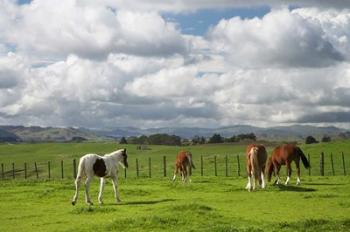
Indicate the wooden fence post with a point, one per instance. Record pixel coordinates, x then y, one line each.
322 164
36 170
332 165
202 165
164 165
343 158
62 174
74 168
226 166
2 171
308 157
149 167
137 167
25 170
49 169
238 166
13 170
215 167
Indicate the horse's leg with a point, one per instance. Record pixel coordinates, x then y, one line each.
278 168
250 178
175 172
102 185
298 172
87 189
289 172
263 185
77 187
115 186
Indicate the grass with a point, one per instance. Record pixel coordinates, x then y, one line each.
206 204
209 203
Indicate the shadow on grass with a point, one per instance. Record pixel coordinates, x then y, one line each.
292 188
326 184
145 202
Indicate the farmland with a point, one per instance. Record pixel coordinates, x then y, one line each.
209 203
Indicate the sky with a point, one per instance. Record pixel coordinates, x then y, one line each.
112 63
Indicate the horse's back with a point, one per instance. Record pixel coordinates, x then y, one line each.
182 158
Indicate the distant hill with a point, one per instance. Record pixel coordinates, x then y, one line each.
294 132
49 134
53 134
6 136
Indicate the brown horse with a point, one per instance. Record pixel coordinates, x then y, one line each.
256 160
285 155
184 165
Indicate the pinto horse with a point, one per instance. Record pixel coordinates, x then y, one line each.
285 155
102 166
184 165
256 159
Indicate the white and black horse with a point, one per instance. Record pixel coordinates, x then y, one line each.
101 166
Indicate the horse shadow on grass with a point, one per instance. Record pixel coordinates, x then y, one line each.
147 202
292 188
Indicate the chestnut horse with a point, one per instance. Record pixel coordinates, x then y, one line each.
184 165
285 155
256 160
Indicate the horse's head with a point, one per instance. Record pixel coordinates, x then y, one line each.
270 169
124 161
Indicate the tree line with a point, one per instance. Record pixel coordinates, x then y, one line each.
165 139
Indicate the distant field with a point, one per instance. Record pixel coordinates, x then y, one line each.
56 152
207 204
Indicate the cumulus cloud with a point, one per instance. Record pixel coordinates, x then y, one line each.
90 31
280 38
114 64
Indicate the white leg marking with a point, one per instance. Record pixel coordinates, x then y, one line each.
248 184
298 180
263 185
115 186
102 185
77 187
87 189
287 181
174 177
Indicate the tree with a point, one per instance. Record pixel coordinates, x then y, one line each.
326 139
216 138
310 140
123 141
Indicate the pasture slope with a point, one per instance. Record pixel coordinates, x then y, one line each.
209 203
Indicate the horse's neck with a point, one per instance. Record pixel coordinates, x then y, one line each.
115 156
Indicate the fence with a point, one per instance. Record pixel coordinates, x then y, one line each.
206 165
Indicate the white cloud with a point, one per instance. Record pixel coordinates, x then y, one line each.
280 38
112 67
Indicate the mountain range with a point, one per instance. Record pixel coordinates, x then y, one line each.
54 134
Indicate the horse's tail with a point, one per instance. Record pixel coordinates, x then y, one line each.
269 168
254 161
81 167
189 156
303 158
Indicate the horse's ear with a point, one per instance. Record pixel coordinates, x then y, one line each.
124 151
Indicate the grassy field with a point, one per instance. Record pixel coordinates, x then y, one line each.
209 203
206 204
66 152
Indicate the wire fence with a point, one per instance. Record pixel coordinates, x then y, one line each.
149 167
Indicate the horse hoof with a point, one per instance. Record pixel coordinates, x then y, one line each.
73 203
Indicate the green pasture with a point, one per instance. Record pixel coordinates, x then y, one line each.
209 203
206 204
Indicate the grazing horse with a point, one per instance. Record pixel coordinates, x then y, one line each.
184 165
285 155
256 159
101 166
